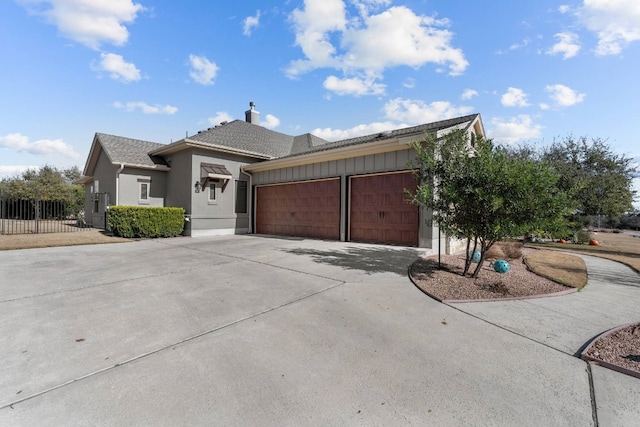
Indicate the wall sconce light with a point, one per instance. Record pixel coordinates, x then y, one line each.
196 186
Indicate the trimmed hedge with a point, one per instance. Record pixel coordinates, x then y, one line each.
137 221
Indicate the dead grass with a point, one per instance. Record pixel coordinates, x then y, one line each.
620 247
562 268
83 237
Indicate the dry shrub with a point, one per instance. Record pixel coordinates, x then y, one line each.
495 252
511 250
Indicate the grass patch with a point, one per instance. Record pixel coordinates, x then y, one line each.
568 270
620 247
46 240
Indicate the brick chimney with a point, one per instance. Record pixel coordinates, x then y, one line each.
251 115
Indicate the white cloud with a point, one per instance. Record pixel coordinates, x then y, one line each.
564 96
89 22
367 43
366 6
313 26
118 68
271 121
514 97
409 83
9 171
146 108
514 129
42 147
221 116
568 45
524 43
360 130
544 106
354 86
564 8
615 22
203 71
468 94
418 112
398 37
250 22
400 113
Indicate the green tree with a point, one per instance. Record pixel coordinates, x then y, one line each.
598 180
478 192
46 184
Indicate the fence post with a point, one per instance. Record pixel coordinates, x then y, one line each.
37 211
2 209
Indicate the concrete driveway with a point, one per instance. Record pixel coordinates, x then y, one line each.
255 331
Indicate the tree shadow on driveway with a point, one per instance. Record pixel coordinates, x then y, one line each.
367 260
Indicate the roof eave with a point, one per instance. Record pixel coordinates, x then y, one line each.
83 180
190 143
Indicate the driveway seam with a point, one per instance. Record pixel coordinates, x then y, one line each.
509 330
62 291
169 346
592 391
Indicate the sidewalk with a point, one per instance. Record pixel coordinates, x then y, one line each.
568 323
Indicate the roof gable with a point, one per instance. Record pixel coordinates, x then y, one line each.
123 151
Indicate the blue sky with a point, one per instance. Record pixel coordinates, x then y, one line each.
157 69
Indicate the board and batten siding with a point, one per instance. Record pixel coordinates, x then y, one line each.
376 163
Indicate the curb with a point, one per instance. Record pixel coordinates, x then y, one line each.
590 359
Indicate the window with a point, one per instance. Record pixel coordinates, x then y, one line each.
96 202
212 193
144 188
241 196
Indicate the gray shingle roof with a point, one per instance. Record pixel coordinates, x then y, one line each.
129 151
250 138
415 130
246 137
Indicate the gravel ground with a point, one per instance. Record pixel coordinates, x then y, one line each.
620 348
447 284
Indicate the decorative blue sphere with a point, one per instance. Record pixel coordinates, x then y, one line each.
475 257
501 266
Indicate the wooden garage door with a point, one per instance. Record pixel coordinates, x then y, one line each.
303 209
379 212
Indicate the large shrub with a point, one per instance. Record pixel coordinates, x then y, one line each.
137 221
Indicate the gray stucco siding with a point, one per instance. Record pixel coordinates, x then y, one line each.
129 187
217 217
179 185
104 179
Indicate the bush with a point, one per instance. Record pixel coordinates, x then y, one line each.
512 250
137 221
495 252
582 237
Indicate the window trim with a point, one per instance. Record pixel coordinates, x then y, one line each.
147 183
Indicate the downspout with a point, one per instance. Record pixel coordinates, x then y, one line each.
250 208
118 183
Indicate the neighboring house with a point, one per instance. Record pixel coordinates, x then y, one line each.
239 177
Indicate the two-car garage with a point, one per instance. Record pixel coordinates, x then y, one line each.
375 209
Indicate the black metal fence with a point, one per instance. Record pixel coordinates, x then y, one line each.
27 216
